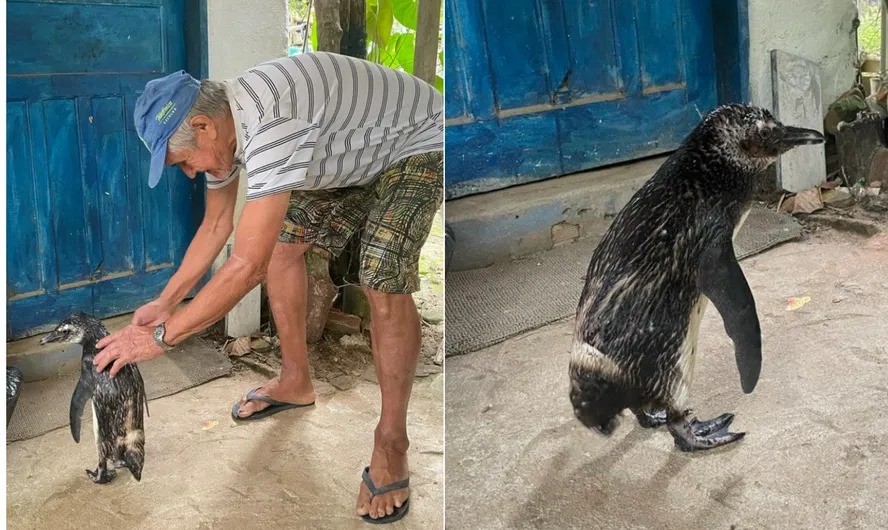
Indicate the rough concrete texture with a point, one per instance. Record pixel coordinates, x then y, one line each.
822 32
522 220
298 469
815 454
240 35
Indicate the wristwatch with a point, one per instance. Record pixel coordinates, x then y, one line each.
159 332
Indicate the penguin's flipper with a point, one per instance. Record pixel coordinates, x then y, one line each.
141 388
721 280
82 393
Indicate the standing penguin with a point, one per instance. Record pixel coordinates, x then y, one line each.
667 253
116 403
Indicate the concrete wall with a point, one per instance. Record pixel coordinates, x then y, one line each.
818 30
241 34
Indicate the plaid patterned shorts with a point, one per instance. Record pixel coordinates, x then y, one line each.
395 212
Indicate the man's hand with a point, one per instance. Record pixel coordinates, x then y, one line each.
153 313
132 344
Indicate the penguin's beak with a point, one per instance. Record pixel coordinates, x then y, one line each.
53 336
795 136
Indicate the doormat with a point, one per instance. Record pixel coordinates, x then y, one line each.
487 306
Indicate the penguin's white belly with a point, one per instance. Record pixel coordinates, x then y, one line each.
95 425
687 354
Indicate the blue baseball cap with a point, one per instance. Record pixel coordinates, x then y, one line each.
160 110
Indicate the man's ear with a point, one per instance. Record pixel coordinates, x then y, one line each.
201 123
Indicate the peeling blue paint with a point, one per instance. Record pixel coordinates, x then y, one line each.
546 88
84 232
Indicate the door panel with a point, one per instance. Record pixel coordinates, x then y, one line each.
84 231
543 88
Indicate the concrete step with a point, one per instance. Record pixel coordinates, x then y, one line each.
522 220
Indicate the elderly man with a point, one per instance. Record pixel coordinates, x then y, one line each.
331 145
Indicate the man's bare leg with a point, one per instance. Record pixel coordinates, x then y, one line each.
396 336
287 283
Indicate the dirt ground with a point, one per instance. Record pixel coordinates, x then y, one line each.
815 454
297 469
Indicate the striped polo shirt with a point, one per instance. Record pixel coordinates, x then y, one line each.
323 120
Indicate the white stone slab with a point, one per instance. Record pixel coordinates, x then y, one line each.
797 101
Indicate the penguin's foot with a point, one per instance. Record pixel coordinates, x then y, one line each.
709 427
650 420
696 435
101 475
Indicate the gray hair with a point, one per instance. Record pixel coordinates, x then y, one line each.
212 101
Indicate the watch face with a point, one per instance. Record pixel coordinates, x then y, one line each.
159 332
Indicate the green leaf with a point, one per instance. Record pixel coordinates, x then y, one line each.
439 83
405 12
404 51
314 32
379 21
398 54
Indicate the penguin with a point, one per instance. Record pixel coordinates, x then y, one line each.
14 380
117 404
667 254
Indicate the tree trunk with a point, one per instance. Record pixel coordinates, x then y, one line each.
321 293
353 19
329 30
425 56
341 29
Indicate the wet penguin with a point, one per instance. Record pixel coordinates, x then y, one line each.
667 254
117 404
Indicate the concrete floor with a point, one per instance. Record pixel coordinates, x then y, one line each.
298 469
816 450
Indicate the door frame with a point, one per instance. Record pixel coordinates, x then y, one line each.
730 33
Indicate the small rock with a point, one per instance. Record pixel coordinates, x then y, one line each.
370 375
426 370
260 346
432 315
353 341
343 323
343 382
486 408
322 388
872 192
875 184
439 355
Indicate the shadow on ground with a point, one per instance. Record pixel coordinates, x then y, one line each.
298 469
815 455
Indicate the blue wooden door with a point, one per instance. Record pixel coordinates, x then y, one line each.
84 231
540 88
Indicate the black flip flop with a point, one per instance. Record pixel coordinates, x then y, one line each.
274 406
374 491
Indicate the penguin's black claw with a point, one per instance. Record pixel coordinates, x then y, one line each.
695 435
713 426
648 420
101 476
